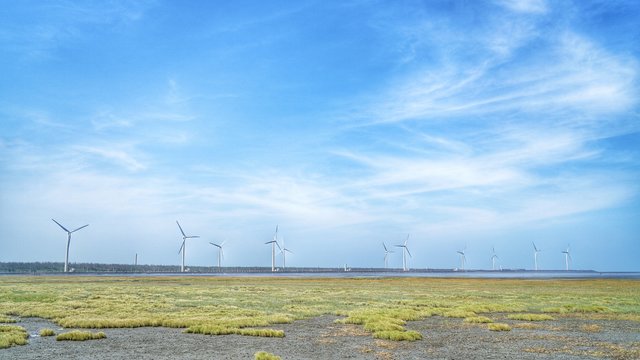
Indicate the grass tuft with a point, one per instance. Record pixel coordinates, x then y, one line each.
398 335
11 335
6 320
478 320
77 335
499 327
263 355
591 328
530 317
47 332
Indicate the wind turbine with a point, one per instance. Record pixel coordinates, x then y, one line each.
535 255
567 258
463 259
386 255
184 241
284 251
66 257
404 249
494 257
274 243
220 253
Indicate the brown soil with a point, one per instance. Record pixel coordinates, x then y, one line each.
321 338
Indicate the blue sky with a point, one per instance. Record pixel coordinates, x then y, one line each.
467 124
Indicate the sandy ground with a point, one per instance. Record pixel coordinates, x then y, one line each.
320 338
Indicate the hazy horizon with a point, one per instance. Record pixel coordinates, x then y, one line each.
472 125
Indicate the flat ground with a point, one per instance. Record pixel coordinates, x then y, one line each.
325 319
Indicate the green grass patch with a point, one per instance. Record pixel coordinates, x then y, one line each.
499 327
46 332
11 335
77 335
263 355
530 317
478 320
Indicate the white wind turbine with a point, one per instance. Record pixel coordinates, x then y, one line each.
184 242
404 249
274 243
284 251
567 258
386 255
66 257
494 257
463 258
220 253
535 255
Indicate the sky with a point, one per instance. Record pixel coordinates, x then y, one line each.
467 125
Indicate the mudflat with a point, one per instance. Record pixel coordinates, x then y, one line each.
392 318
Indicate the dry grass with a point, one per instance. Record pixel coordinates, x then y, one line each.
263 355
11 335
77 335
46 332
499 327
4 319
530 317
478 320
591 328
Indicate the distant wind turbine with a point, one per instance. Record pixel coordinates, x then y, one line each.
567 258
535 255
284 251
386 255
463 258
494 257
66 257
404 249
274 243
184 242
220 253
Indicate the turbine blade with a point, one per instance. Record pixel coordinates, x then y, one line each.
182 231
192 237
384 246
63 228
534 246
181 247
81 227
406 248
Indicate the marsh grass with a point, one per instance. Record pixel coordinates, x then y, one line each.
263 355
499 327
249 306
592 328
11 335
77 335
530 317
46 332
4 319
478 320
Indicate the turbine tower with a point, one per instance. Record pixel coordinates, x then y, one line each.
494 257
404 257
274 243
535 255
183 246
386 255
66 257
220 253
284 251
567 258
463 258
